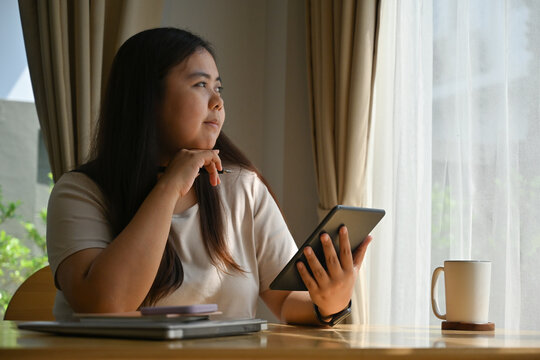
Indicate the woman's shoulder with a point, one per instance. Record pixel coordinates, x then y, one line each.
76 186
75 180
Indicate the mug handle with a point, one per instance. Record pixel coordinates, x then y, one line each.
434 304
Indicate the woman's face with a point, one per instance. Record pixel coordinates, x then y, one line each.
192 112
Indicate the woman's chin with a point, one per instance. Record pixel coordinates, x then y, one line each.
205 146
204 143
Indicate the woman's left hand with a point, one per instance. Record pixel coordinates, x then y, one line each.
331 290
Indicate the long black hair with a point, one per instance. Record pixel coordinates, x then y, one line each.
124 158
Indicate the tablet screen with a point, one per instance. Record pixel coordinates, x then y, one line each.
359 221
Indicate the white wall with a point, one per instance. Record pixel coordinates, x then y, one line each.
260 46
236 29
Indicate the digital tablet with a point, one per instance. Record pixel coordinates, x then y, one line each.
359 222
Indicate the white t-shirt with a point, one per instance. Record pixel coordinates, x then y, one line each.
256 234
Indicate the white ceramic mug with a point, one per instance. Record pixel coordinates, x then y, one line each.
467 289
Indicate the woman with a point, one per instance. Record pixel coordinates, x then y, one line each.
149 221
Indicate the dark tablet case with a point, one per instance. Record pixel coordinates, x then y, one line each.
359 221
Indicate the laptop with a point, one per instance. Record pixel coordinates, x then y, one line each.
155 330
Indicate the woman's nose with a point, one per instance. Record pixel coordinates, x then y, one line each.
216 101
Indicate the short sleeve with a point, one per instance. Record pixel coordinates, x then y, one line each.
275 244
76 218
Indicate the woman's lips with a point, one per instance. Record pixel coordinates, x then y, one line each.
212 123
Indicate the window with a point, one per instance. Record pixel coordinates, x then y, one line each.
456 160
24 165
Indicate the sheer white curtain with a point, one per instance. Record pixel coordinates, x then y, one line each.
456 155
398 266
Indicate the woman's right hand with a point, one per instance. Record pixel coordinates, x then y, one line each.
185 165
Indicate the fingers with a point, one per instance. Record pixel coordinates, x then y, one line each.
358 256
308 280
332 262
331 289
320 276
319 273
345 255
209 160
212 164
185 166
335 269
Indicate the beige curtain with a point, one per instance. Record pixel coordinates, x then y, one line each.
70 45
341 36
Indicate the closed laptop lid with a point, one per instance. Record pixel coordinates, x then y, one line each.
149 330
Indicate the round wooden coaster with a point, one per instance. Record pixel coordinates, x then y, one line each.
453 325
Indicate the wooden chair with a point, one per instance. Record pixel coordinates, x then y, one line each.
34 299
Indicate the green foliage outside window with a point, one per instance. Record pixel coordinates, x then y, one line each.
19 258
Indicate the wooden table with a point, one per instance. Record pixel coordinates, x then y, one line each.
284 342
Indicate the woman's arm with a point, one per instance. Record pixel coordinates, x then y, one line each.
118 277
331 290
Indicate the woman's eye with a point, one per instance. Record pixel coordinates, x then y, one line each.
203 84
